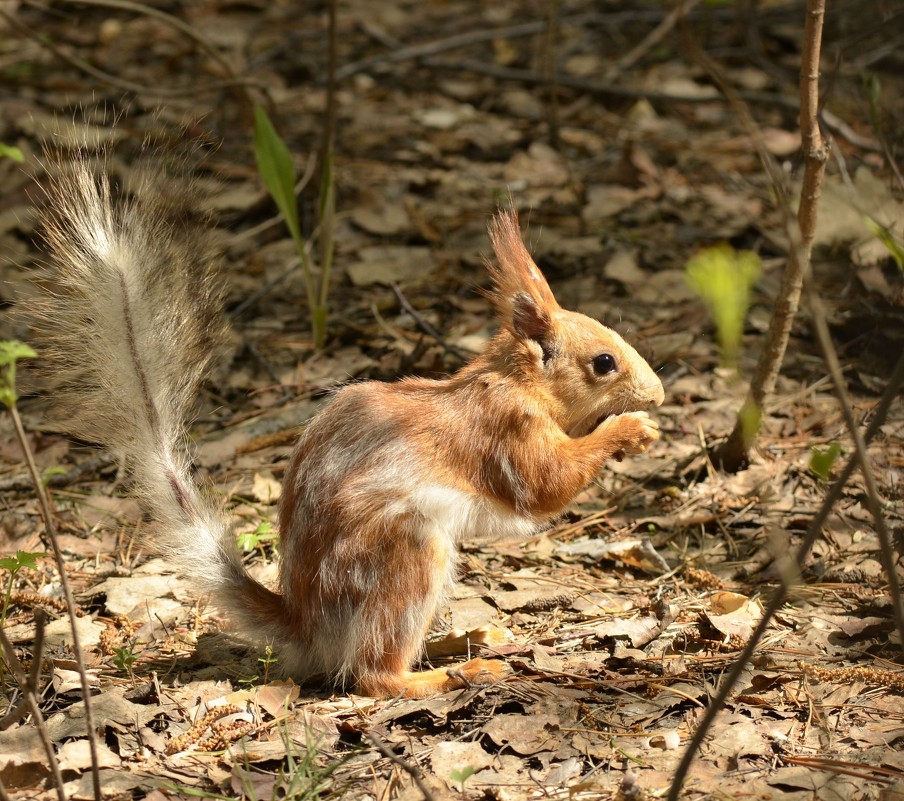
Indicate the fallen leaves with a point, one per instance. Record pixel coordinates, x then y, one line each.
620 620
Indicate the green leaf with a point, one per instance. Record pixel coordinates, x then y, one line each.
12 152
462 775
822 460
276 168
29 559
892 245
249 540
49 472
11 350
22 559
723 278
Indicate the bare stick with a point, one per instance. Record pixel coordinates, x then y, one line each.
121 83
817 313
67 594
733 452
411 770
23 482
28 691
169 19
650 41
427 328
18 711
717 702
549 67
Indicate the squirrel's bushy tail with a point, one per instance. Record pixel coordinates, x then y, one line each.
129 320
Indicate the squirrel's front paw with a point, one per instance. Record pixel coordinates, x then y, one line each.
632 432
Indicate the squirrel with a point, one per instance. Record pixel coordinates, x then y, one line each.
384 482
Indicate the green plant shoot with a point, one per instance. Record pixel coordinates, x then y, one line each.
822 459
884 235
14 564
274 161
11 351
11 152
461 775
125 657
723 277
250 540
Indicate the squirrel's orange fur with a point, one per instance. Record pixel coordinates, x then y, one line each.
384 483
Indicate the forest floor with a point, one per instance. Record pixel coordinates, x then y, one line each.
626 613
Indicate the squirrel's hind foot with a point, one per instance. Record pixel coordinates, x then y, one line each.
423 684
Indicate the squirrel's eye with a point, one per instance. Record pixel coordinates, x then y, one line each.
604 363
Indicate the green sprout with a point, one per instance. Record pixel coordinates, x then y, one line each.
723 278
11 152
274 162
14 564
461 775
11 351
251 540
822 460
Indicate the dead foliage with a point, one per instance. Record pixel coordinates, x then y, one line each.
626 613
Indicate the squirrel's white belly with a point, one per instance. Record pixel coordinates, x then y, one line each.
463 517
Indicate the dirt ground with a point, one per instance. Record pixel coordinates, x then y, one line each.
623 159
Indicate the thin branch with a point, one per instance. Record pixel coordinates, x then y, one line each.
650 41
425 49
549 67
50 528
733 452
169 19
601 89
18 711
817 314
23 482
717 702
121 83
28 691
426 327
411 770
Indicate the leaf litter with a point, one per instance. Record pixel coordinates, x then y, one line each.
620 620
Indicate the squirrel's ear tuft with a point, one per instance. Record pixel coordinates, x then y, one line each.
520 292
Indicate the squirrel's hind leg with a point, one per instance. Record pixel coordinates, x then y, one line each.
422 684
390 625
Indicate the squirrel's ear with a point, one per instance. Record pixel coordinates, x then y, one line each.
520 292
529 321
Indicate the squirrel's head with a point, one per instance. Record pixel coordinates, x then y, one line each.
588 369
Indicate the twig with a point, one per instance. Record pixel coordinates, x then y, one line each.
411 770
121 83
531 78
650 41
169 19
427 328
24 482
419 51
733 452
50 528
818 317
425 50
549 67
27 688
16 712
813 531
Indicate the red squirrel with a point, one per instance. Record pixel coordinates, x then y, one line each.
385 481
